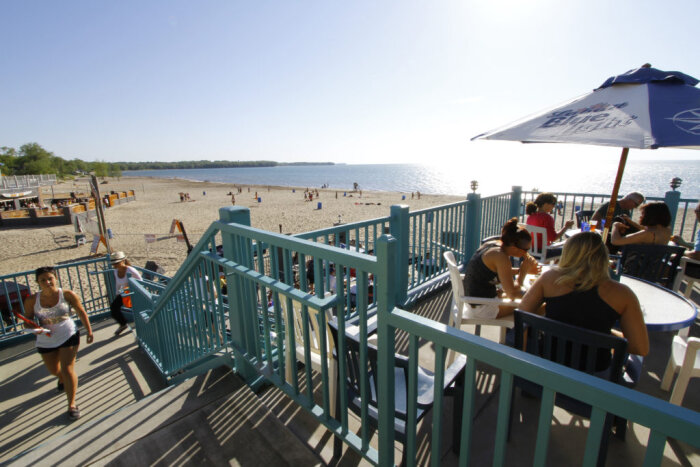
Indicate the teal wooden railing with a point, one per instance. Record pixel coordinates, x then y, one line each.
182 326
431 232
665 421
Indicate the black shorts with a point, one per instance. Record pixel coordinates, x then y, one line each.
72 341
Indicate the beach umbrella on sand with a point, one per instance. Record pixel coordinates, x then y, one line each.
644 108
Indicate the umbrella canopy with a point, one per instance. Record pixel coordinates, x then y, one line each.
644 108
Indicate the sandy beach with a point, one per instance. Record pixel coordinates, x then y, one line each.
158 203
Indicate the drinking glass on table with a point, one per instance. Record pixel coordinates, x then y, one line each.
593 225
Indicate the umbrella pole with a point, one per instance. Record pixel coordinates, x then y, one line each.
613 196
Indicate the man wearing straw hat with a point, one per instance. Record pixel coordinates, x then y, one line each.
122 271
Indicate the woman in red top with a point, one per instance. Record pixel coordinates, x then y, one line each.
539 215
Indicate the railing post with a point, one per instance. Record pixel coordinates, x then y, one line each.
398 228
515 202
473 225
672 200
242 336
386 260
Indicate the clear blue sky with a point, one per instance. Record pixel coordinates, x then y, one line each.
358 82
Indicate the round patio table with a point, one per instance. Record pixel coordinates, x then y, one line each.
663 309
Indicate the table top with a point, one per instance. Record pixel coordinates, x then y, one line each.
663 309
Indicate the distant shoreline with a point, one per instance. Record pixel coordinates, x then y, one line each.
190 165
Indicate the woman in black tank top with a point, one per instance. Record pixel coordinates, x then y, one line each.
579 291
491 265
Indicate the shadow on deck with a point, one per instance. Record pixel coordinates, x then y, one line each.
568 433
130 417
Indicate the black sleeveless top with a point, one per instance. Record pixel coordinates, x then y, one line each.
587 310
479 280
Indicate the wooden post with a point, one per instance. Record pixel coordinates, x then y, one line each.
613 196
242 333
514 210
100 212
473 225
398 227
386 259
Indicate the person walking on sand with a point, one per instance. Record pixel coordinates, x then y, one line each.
233 199
58 339
121 266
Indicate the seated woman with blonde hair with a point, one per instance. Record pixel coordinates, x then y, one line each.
654 225
579 291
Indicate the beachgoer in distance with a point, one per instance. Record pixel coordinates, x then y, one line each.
491 265
654 222
51 308
579 291
539 215
693 249
623 208
122 271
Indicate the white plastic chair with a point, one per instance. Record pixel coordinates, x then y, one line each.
685 356
682 275
465 309
314 346
538 248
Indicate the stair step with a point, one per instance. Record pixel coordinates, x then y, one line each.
213 418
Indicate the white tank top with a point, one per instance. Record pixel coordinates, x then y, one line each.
56 319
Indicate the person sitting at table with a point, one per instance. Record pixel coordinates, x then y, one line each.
579 291
539 215
491 265
654 223
623 208
693 249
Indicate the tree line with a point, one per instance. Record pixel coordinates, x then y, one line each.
32 159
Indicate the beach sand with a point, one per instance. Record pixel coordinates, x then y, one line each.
158 203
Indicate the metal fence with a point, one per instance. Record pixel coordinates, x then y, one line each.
26 181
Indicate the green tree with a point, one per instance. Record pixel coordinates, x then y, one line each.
34 160
100 169
114 170
8 158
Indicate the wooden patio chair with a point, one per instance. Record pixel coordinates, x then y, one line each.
425 394
653 263
577 348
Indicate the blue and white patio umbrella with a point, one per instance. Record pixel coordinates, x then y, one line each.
644 108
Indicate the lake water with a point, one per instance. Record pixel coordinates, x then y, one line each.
651 177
